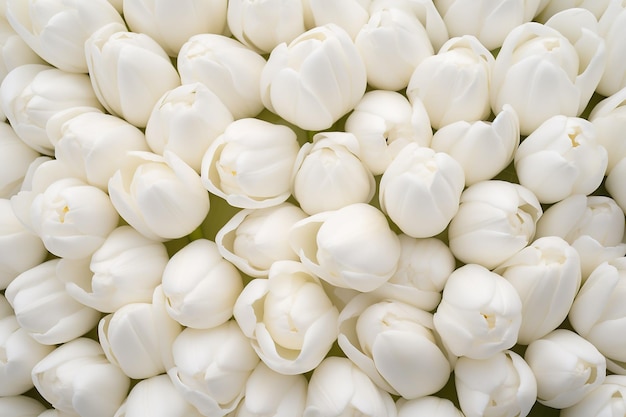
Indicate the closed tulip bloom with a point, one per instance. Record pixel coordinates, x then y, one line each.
614 182
253 239
480 313
129 72
552 7
200 286
15 158
502 385
420 190
300 84
352 247
605 400
383 123
172 23
13 50
227 67
350 15
612 26
160 196
20 406
609 121
428 406
76 378
567 367
495 220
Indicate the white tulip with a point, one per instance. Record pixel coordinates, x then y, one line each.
482 148
263 25
567 367
250 164
230 69
608 400
612 27
129 72
315 79
253 239
548 70
547 276
495 220
76 378
502 385
13 50
160 196
598 314
329 175
20 406
15 158
338 388
352 247
552 7
454 84
609 121
53 412
211 367
200 286
427 406
480 313
288 317
350 15
186 120
392 43
270 394
57 30
614 184
420 190
31 94
172 23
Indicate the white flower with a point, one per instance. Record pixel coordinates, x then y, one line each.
612 27
427 406
76 378
338 388
482 148
480 313
608 399
21 406
314 80
551 7
288 317
200 286
420 190
13 50
350 15
567 367
162 197
609 121
502 385
15 158
384 122
171 24
230 69
329 175
250 164
495 220
454 84
129 72
614 184
546 275
547 70
186 120
253 239
352 247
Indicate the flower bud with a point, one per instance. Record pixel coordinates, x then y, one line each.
129 72
162 197
200 286
15 158
612 26
350 15
567 367
250 164
76 378
20 406
614 182
300 84
480 313
289 318
352 247
609 121
552 7
427 406
14 52
605 400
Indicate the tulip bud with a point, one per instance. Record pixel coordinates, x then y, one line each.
129 72
495 220
480 313
609 122
567 367
171 24
162 197
384 122
288 317
420 190
250 164
350 15
200 286
427 406
614 184
15 158
14 52
552 7
230 69
338 388
76 378
20 406
300 85
253 239
186 120
608 399
612 27
352 247
436 83
501 385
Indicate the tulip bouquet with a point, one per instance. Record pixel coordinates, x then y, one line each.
312 208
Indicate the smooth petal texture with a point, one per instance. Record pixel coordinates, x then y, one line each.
429 405
15 158
607 399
